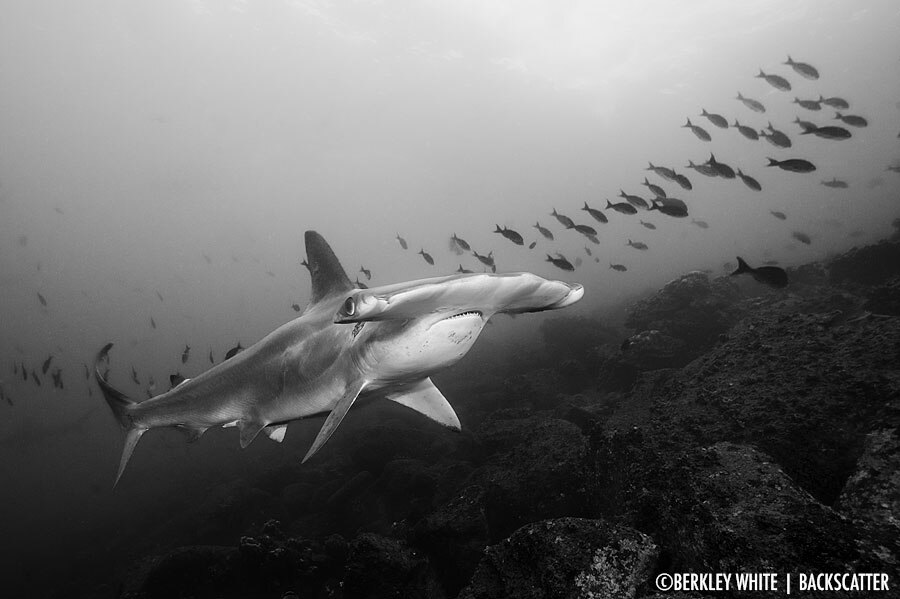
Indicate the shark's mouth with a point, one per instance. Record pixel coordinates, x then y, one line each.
463 314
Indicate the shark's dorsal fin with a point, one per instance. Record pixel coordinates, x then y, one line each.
425 398
341 407
328 276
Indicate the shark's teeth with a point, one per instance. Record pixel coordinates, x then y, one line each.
466 313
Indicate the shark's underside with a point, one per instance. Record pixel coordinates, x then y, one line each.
348 342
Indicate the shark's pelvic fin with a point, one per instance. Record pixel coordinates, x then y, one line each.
276 432
328 276
249 430
341 407
425 398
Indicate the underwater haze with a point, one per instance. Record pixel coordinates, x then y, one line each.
161 160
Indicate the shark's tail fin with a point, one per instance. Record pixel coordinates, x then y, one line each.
121 407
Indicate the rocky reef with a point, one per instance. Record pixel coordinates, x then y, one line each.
726 428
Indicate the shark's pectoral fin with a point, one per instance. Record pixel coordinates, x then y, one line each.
341 407
249 430
276 432
425 398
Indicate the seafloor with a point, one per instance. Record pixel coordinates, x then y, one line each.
736 429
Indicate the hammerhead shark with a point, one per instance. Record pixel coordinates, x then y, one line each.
348 342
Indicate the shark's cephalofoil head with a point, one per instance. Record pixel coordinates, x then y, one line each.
436 321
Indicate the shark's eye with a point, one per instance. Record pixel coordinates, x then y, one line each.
349 307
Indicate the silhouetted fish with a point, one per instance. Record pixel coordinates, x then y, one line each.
804 124
544 231
749 181
152 323
827 132
670 207
46 365
366 272
716 119
427 256
87 373
486 260
585 230
683 181
42 300
809 104
835 102
748 132
462 243
777 138
835 183
754 105
851 119
638 245
511 235
588 251
704 169
295 307
699 131
658 191
795 165
776 81
622 207
767 275
801 237
722 169
597 214
531 245
24 372
134 376
463 270
577 261
56 375
402 242
777 214
803 69
234 351
159 295
700 223
562 218
560 262
34 377
665 173
636 201
185 354
618 267
648 225
211 360
360 284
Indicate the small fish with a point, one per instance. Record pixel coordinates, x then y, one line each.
835 102
638 245
700 223
776 81
828 132
360 284
486 260
636 201
42 299
777 138
699 131
804 124
585 230
658 191
801 237
560 262
34 377
402 241
597 214
427 256
578 261
531 245
134 376
24 373
206 257
683 181
366 272
152 323
835 183
463 270
851 119
618 267
46 366
234 351
666 173
186 354
593 239
749 181
159 295
778 215
648 225
670 207
588 251
296 307
703 169
803 69
563 219
87 373
622 207
754 105
767 275
748 132
722 169
716 119
56 375
795 165
544 231
511 235
808 104
462 243
211 359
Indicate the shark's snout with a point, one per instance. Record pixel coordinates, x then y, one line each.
576 292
